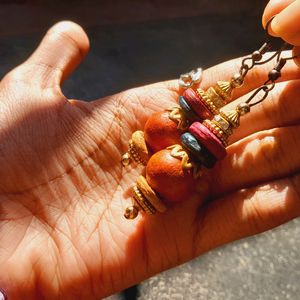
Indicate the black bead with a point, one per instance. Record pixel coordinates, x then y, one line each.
188 111
197 151
256 55
274 75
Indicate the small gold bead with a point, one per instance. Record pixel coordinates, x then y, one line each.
243 108
126 159
131 212
215 98
237 80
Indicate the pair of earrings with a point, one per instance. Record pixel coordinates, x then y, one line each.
177 143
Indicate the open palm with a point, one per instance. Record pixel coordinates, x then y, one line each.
63 190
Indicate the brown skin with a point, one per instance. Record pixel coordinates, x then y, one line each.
286 22
63 190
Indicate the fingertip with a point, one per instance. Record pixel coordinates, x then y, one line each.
73 32
273 8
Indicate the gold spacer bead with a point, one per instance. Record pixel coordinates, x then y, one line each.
131 212
207 101
219 133
150 194
142 201
216 99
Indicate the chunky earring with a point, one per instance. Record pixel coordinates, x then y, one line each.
178 143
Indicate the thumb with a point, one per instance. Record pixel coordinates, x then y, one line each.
60 52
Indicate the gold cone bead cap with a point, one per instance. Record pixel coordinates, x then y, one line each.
224 89
232 116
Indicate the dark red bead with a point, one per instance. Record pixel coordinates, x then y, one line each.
197 104
208 139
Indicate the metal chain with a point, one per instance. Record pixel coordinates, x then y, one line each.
269 85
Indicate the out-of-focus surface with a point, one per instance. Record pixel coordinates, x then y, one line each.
139 42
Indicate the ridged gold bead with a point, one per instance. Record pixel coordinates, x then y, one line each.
150 194
138 150
224 89
232 116
208 101
141 200
215 98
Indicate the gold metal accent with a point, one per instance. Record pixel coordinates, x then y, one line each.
176 115
207 101
144 204
150 194
237 80
243 108
217 100
126 159
223 124
137 151
131 212
224 89
232 116
217 131
178 152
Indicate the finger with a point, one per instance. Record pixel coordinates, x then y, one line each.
61 50
273 8
249 212
261 157
256 77
280 109
286 23
296 53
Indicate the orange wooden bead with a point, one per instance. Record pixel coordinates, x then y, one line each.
165 175
161 132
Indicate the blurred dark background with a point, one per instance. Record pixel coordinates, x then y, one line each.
135 42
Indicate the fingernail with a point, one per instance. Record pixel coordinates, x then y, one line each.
274 27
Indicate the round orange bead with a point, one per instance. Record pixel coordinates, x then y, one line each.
165 175
161 132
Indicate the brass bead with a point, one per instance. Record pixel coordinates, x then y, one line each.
209 103
142 201
150 194
243 108
137 151
126 159
215 98
232 116
237 80
224 89
131 212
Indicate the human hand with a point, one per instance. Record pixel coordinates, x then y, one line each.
285 23
63 190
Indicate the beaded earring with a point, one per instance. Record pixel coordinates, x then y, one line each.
177 143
